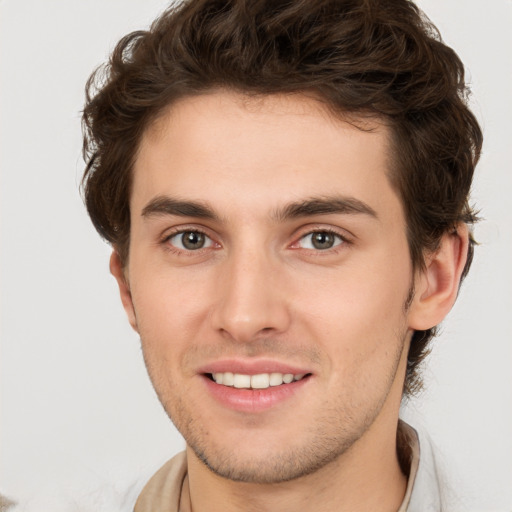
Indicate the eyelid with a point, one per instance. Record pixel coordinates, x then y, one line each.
178 230
304 231
208 242
346 237
340 240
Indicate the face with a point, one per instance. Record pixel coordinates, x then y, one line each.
267 277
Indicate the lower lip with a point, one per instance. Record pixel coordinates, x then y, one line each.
253 400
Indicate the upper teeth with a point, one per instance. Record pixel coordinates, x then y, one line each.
259 381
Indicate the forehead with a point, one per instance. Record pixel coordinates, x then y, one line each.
258 152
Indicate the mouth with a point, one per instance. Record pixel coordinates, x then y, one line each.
255 386
257 381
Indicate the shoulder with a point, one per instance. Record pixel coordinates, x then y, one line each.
430 486
163 490
102 499
6 503
75 496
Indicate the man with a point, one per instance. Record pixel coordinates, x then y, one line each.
285 187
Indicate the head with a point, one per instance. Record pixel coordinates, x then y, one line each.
362 59
368 63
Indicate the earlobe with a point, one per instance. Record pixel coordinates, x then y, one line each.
116 269
437 286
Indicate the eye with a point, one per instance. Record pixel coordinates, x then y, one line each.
320 240
190 240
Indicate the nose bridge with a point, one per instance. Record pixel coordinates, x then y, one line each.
250 300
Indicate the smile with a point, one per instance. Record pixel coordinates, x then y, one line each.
258 381
254 386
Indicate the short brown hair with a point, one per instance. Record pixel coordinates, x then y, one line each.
360 57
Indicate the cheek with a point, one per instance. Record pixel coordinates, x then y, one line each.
167 298
169 313
357 313
362 329
162 321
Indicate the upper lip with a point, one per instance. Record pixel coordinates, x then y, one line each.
252 367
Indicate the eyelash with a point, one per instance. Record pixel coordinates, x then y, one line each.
176 250
344 241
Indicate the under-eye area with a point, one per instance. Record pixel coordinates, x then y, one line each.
258 381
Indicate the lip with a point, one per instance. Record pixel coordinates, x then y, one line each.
253 400
249 367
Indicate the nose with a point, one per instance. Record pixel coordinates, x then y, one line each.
251 300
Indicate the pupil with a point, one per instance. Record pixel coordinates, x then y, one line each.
193 240
323 240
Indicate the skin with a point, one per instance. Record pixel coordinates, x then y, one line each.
260 291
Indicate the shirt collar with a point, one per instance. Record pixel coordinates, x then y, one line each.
424 486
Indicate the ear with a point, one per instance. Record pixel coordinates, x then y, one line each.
437 286
116 269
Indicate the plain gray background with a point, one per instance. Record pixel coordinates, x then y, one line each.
76 404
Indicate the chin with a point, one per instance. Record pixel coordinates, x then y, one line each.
271 464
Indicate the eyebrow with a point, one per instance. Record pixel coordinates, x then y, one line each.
324 206
166 205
